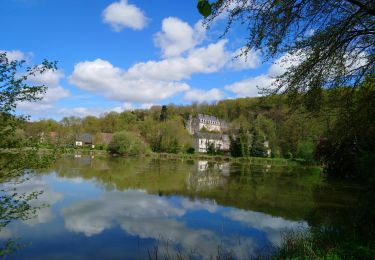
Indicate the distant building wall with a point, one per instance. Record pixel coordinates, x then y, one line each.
204 140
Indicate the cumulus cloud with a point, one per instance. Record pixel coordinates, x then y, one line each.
250 87
92 217
281 65
102 77
124 107
178 36
122 15
79 111
200 96
272 226
150 217
150 81
13 55
200 60
43 214
51 79
241 60
154 80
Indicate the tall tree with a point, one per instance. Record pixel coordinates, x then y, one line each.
164 113
14 88
329 43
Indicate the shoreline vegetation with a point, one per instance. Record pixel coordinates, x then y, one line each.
172 156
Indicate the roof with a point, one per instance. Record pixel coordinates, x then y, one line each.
86 138
106 137
207 117
53 135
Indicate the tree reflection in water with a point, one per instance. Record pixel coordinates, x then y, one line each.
176 205
17 203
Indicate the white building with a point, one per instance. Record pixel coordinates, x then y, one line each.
204 140
205 122
208 130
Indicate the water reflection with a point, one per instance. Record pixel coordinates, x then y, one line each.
208 175
103 206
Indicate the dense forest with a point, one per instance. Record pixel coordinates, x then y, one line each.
335 131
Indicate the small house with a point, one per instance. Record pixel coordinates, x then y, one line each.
84 140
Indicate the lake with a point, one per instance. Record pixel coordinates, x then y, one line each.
120 208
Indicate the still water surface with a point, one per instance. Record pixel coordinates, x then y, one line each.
127 208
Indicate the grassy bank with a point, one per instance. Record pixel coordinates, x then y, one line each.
223 158
323 243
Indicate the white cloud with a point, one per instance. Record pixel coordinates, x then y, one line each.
200 60
92 217
151 217
281 65
121 15
148 105
272 226
203 95
241 60
251 86
102 77
178 36
154 80
124 107
43 204
13 55
51 79
150 81
79 111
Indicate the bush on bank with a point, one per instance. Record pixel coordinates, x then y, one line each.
127 143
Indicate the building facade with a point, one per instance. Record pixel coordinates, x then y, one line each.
220 142
208 131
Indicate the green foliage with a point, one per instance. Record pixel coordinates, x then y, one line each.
350 143
257 146
164 113
211 149
300 244
305 150
169 136
190 150
13 82
204 7
127 143
235 147
329 43
15 88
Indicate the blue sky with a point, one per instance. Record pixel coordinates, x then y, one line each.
117 55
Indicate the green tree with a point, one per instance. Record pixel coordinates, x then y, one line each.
164 113
127 143
169 136
257 147
110 122
91 124
330 43
14 88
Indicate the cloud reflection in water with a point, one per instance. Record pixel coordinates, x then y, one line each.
150 216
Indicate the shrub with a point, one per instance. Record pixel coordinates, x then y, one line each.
305 150
190 150
127 143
